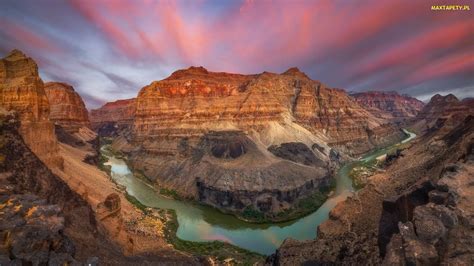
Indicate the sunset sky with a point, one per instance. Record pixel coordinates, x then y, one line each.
110 49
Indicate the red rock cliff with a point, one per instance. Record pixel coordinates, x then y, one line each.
113 116
22 90
193 101
67 108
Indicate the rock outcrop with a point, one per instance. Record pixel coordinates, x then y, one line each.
226 139
67 108
22 90
113 117
440 231
389 105
42 219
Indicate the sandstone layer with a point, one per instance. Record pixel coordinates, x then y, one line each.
22 90
229 140
113 117
415 213
67 108
389 105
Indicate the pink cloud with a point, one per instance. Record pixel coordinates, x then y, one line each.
450 64
26 36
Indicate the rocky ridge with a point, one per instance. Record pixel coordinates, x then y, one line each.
389 105
22 90
443 112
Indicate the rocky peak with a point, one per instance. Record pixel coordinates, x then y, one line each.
17 65
443 113
439 99
294 71
15 54
193 70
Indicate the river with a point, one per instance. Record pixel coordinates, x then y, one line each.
202 223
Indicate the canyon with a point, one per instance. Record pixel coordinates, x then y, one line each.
234 141
415 212
264 147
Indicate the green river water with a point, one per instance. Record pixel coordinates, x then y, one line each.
202 223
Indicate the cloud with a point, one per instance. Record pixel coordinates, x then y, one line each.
108 49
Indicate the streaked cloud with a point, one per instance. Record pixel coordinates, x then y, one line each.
109 49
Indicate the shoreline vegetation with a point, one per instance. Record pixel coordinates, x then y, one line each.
305 206
361 170
221 251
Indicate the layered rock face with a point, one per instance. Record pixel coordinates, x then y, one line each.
22 90
389 105
67 108
348 126
208 135
113 117
444 112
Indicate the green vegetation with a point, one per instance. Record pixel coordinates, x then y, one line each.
106 168
136 203
301 208
250 214
105 141
362 171
304 206
170 193
217 249
312 202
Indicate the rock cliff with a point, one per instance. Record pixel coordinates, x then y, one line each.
229 140
113 117
22 90
67 108
389 105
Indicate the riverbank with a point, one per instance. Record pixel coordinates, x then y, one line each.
376 161
216 251
302 207
219 251
199 223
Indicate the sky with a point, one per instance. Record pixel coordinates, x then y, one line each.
110 49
